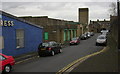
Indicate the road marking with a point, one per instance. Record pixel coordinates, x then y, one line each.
79 60
25 60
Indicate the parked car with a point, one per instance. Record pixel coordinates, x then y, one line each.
105 32
92 33
6 62
75 40
49 48
101 40
83 37
88 34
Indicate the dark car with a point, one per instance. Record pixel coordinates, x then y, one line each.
83 37
92 33
75 40
49 48
88 34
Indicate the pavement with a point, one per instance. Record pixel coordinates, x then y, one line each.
104 62
25 56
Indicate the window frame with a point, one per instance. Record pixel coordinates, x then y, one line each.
2 43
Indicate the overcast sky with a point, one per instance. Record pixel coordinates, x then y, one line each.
64 9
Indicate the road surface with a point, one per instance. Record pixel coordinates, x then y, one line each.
57 62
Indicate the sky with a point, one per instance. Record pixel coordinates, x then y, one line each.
63 9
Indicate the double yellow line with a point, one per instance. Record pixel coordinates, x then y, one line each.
80 60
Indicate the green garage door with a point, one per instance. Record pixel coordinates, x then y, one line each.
46 36
64 35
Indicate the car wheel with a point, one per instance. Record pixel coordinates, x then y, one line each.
52 53
60 51
105 44
7 69
96 44
40 55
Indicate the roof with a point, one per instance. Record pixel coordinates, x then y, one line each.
19 19
74 23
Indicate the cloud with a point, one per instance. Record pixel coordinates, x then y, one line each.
62 10
58 0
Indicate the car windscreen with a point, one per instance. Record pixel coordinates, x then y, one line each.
2 58
45 44
52 43
74 39
101 37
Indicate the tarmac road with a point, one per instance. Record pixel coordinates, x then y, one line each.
57 62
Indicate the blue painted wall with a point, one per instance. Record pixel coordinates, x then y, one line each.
0 35
33 36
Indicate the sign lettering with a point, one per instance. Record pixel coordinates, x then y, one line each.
6 23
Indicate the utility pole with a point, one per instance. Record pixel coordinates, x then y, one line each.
118 7
118 21
118 15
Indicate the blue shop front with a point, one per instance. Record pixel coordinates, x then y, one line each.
18 36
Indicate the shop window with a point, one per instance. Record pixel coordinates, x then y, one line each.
19 38
1 42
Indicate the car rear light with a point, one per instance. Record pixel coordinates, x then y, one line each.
49 48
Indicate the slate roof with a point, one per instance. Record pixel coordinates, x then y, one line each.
19 19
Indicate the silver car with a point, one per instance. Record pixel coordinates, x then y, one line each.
101 40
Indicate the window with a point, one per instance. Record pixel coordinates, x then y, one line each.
1 42
45 44
2 58
19 38
51 43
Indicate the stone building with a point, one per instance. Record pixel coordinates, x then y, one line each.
97 26
83 17
56 29
114 28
